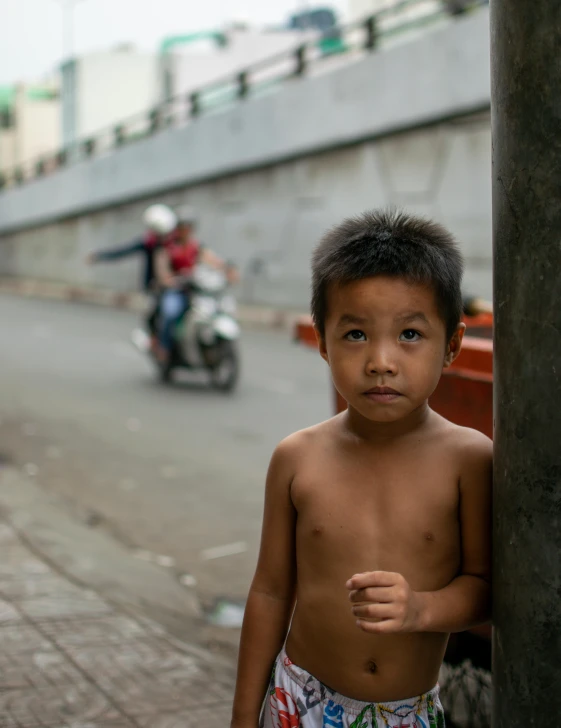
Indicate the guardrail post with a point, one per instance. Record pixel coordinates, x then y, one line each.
119 134
155 120
300 56
456 8
243 85
168 114
88 147
371 27
193 105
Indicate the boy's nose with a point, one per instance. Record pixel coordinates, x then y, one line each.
381 362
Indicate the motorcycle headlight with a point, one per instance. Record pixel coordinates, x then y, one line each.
205 307
228 305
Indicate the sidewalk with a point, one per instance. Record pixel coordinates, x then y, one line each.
248 315
73 658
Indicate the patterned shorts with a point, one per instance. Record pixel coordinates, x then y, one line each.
296 699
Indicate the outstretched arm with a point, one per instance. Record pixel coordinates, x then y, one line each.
122 251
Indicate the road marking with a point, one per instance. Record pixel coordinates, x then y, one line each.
152 558
188 580
166 561
219 552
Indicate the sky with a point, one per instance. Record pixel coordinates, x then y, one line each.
31 31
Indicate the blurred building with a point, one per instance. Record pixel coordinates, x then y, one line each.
199 59
321 18
99 90
29 123
102 90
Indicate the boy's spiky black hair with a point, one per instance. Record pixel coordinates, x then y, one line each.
389 243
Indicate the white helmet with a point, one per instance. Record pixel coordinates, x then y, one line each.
160 219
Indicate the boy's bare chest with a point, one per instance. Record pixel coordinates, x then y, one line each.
389 514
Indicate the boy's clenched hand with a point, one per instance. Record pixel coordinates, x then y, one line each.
383 602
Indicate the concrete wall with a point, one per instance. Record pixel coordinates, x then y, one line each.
441 74
268 220
265 191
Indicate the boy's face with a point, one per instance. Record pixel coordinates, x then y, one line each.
385 343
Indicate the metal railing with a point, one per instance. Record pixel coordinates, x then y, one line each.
322 54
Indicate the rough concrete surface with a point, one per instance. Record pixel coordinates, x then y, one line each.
71 658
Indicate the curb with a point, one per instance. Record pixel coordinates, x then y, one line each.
248 315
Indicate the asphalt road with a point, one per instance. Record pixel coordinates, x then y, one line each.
177 472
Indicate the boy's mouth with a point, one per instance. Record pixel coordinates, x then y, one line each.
382 394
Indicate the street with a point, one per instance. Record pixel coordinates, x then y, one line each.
175 474
127 506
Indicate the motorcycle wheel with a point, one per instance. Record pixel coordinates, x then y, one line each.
166 370
166 373
225 371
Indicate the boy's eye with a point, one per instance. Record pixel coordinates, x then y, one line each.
410 335
355 335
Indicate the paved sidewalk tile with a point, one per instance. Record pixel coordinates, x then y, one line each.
69 659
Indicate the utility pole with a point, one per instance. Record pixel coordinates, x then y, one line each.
68 27
526 88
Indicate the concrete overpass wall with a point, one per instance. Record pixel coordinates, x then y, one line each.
405 126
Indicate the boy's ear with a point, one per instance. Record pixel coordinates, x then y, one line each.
321 345
454 345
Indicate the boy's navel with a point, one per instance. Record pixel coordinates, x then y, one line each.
371 667
317 530
428 536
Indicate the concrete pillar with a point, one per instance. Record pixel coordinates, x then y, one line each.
526 127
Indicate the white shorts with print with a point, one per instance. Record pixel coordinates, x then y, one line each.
296 699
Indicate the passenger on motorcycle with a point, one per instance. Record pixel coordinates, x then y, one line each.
174 266
159 221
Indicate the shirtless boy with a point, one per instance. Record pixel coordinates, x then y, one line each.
376 534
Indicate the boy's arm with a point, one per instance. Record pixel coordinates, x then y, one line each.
385 603
466 601
271 597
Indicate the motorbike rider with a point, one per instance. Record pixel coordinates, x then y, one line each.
174 265
160 222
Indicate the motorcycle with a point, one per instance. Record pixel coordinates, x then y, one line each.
206 337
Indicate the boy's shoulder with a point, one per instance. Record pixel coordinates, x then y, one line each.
467 444
302 442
